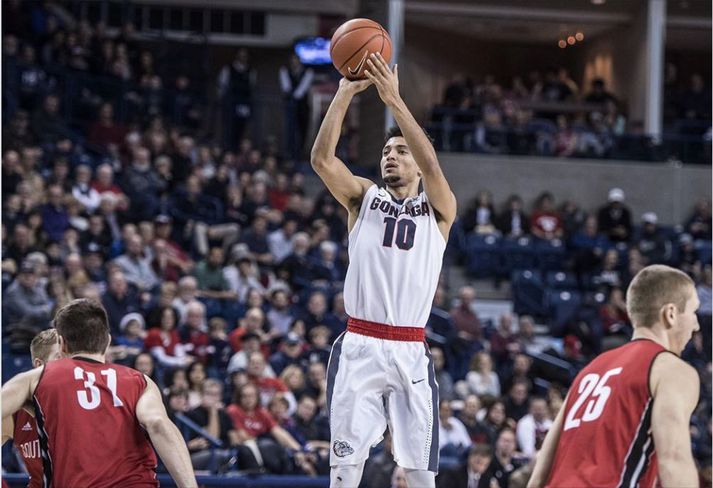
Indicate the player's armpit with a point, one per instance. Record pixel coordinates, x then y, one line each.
675 387
18 391
8 425
546 455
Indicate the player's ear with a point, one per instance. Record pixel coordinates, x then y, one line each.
63 346
37 362
669 313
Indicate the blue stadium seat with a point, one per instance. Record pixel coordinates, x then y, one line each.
518 254
528 293
483 255
561 280
550 255
563 306
704 249
13 364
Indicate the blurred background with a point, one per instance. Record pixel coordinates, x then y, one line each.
155 156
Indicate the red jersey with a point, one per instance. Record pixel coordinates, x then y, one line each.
27 443
606 438
86 419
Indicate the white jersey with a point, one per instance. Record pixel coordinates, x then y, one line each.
395 257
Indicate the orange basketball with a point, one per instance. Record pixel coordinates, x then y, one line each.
353 42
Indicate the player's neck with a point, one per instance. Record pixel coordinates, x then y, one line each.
95 356
655 334
402 192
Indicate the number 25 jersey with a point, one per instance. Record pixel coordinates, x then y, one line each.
86 421
606 438
395 257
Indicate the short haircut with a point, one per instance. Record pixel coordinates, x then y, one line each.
482 450
395 131
84 326
42 343
652 288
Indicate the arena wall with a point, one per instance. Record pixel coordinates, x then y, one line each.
670 190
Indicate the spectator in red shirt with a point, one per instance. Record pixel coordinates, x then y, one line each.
164 342
254 321
613 314
253 423
546 222
176 255
268 386
105 131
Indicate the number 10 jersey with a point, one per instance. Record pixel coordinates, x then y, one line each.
395 257
606 438
86 421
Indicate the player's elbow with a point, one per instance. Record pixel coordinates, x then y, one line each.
157 425
318 159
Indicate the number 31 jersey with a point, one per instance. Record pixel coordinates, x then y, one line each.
86 421
395 257
606 438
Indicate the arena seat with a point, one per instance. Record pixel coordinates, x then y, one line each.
483 254
518 254
563 306
528 292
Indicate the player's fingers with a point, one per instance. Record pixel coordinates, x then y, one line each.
370 76
379 64
396 70
373 68
383 64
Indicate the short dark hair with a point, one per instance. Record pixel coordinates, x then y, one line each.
395 131
84 326
482 450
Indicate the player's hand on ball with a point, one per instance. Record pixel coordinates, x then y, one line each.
386 80
355 86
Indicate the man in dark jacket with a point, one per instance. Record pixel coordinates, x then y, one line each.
615 218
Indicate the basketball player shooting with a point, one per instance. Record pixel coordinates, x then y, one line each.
380 372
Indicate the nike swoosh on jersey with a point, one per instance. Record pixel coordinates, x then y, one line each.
414 382
361 63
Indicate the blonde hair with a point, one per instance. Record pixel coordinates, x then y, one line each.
652 288
42 343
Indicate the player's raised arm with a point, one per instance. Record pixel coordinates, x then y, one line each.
675 387
434 182
346 188
545 456
165 436
18 391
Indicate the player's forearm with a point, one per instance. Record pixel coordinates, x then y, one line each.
171 447
418 143
325 145
678 471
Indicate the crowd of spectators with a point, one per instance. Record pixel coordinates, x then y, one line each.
222 280
552 115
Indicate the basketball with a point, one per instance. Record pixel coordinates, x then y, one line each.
353 42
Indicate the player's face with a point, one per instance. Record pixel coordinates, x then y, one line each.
687 323
398 167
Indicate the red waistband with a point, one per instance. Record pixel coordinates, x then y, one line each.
385 331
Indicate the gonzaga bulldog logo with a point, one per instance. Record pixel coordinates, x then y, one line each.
342 448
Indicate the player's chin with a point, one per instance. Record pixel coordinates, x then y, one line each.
392 181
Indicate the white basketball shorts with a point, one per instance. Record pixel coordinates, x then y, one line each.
373 383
